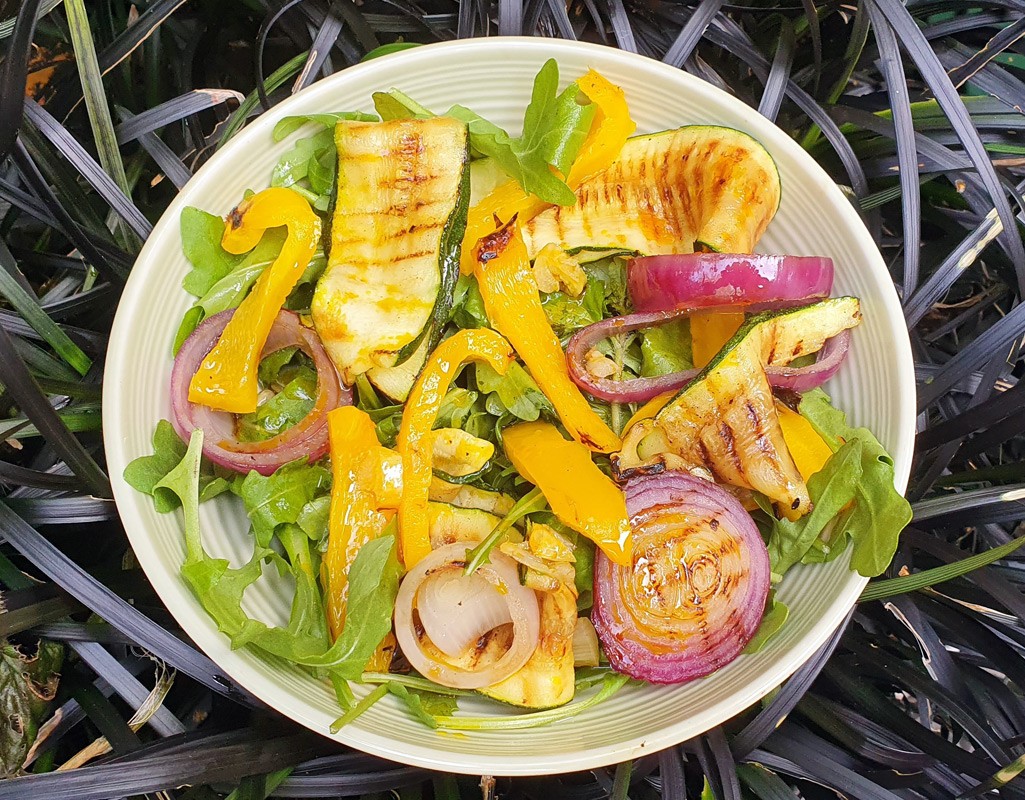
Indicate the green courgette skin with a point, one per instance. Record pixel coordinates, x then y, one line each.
725 419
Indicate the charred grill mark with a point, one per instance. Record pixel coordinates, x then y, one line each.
730 444
759 427
235 218
713 524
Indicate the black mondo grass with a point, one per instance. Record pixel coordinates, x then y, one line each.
916 109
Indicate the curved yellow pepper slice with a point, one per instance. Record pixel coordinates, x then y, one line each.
514 308
354 517
414 441
611 127
227 378
709 331
809 450
580 494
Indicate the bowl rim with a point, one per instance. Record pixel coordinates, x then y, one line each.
204 631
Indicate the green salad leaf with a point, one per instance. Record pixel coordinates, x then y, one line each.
373 584
423 705
776 613
554 127
514 393
289 125
879 513
666 349
145 473
294 380
831 489
281 497
201 242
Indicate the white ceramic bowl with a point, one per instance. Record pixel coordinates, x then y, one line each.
493 76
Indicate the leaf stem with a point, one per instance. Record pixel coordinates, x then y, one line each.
532 501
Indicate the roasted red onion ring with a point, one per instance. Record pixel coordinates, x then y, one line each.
696 590
308 437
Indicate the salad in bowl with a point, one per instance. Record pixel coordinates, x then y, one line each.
523 418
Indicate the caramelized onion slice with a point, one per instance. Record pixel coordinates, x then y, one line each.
430 619
696 590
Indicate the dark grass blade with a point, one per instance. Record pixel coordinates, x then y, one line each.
113 264
779 72
27 305
769 718
111 608
907 153
188 758
927 62
137 34
690 34
1002 40
173 110
13 74
14 375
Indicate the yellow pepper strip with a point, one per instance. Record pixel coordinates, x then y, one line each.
354 517
514 308
709 332
578 492
809 451
415 443
226 379
610 129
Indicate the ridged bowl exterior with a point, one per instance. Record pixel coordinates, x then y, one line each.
493 76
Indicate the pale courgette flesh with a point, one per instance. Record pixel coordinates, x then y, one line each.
396 231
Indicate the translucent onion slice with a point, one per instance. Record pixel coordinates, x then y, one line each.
476 666
308 437
456 609
696 590
586 652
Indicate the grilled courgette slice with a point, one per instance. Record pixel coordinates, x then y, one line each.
397 227
725 419
700 187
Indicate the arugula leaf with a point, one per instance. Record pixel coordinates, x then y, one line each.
373 585
280 497
515 392
311 156
776 613
831 489
230 290
611 271
424 706
666 349
468 304
201 242
554 127
879 512
145 473
288 125
568 314
220 588
289 406
394 104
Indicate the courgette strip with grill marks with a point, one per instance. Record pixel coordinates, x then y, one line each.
397 227
725 419
700 187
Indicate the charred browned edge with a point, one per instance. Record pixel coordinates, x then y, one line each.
494 244
235 217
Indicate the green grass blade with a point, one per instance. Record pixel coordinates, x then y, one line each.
879 590
28 306
95 96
